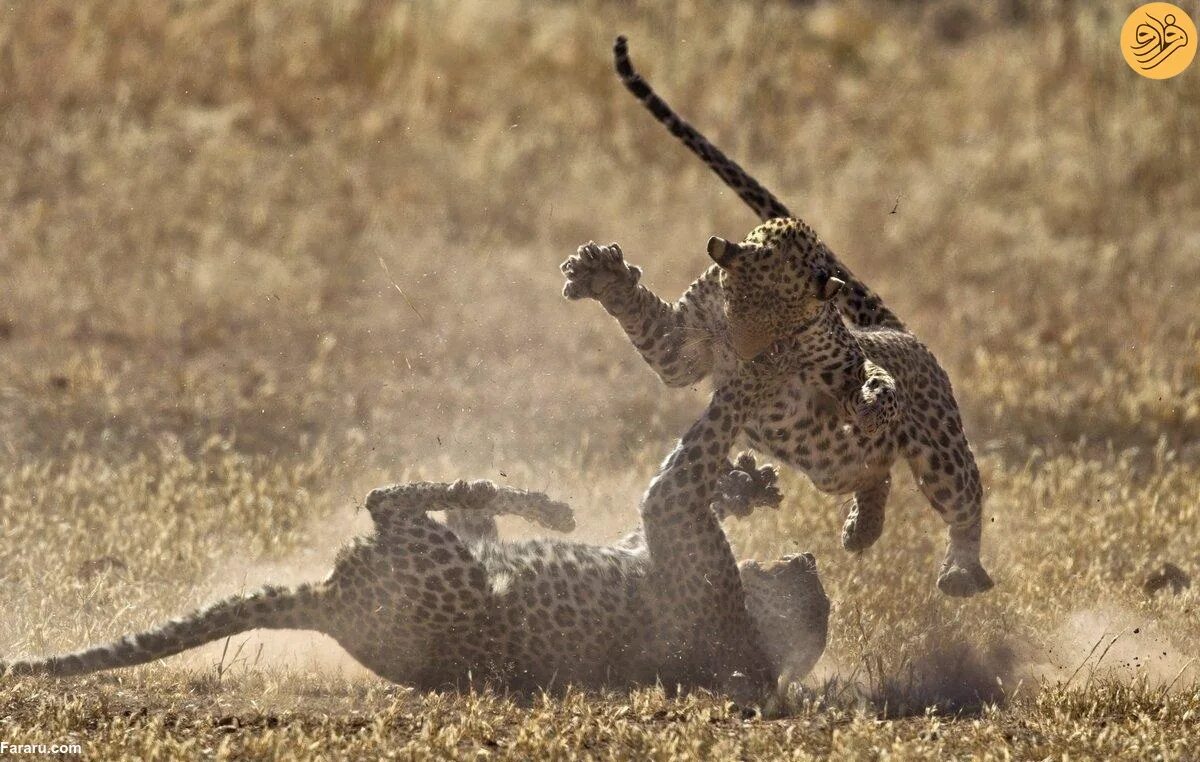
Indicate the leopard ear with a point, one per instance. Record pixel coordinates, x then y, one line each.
830 288
723 252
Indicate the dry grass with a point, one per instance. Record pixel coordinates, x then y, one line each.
207 211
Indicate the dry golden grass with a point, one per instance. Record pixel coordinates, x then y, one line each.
208 212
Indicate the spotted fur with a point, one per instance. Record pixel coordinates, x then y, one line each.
870 393
857 302
418 603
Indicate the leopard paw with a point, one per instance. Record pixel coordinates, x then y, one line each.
552 514
746 487
595 271
962 580
876 408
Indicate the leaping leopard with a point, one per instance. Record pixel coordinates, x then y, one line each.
843 419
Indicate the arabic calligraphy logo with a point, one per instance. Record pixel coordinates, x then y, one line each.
1158 40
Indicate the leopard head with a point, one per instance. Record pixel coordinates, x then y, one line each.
778 279
790 610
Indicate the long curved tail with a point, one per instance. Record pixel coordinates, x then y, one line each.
857 302
267 608
758 198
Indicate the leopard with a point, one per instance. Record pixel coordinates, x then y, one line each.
871 394
446 605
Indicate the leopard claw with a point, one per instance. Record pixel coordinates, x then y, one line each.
595 271
746 487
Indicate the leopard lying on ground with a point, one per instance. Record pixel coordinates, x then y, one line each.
419 604
841 429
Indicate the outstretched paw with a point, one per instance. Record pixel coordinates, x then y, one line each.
747 487
482 501
553 515
595 271
537 507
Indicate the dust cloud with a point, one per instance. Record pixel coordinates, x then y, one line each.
286 650
957 676
1115 643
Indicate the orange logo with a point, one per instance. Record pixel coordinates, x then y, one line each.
1158 40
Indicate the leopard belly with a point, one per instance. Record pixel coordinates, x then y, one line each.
806 429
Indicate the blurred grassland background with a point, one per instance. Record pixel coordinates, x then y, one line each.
256 258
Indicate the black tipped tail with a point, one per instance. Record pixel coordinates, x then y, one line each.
759 199
625 70
858 303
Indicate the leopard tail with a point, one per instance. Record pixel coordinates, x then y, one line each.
858 303
267 608
758 198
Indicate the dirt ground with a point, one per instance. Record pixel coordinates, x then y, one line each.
258 258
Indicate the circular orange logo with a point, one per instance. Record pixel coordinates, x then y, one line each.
1158 40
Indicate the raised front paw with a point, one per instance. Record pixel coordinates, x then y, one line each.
746 487
595 271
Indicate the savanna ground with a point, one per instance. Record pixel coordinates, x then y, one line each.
256 258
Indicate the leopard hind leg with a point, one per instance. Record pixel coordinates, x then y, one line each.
949 479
